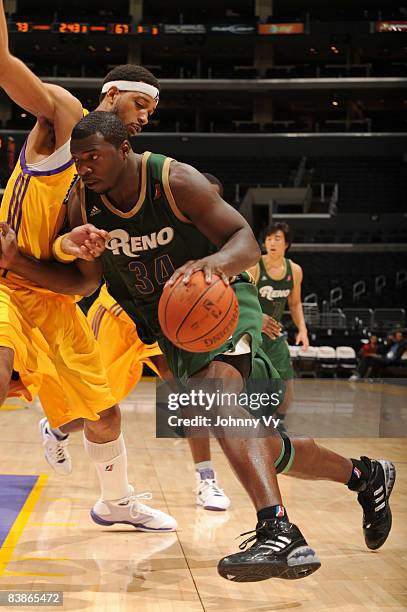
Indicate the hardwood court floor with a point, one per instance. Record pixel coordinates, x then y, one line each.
98 569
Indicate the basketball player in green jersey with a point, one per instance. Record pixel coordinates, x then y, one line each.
278 280
163 220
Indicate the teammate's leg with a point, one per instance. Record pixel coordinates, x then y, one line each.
208 492
278 353
200 449
6 369
282 410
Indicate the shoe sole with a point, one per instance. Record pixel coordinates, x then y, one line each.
137 526
390 479
301 562
212 508
389 475
61 473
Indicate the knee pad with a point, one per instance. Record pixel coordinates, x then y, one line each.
284 461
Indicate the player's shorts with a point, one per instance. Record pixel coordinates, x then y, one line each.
279 354
123 353
184 364
55 354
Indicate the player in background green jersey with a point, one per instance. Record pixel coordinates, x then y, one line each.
279 280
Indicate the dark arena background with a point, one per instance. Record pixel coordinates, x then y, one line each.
300 110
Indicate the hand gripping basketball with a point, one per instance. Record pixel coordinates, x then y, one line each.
199 316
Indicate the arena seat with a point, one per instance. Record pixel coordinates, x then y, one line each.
327 360
307 362
294 351
347 361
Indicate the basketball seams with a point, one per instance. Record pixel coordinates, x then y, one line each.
171 309
232 302
209 331
193 306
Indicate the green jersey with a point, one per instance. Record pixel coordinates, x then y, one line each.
146 244
273 294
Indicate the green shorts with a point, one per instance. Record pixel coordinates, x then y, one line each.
278 353
184 364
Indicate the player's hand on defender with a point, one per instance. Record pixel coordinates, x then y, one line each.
271 327
209 266
302 338
85 242
8 246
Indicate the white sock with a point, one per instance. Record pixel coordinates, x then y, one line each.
110 461
204 465
58 433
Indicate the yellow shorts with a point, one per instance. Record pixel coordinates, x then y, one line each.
55 354
123 353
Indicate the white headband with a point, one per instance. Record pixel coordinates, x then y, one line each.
146 88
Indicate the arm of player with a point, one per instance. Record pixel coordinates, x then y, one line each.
218 221
83 241
270 327
48 102
295 306
255 272
78 278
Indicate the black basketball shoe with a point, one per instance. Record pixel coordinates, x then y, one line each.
374 500
279 551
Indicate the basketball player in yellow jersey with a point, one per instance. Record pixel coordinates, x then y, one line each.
123 353
43 335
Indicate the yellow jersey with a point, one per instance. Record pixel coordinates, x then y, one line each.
33 206
109 303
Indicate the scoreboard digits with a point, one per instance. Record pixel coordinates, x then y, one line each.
72 28
119 28
22 26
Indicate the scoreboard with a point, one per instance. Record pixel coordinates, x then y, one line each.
125 29
76 27
231 29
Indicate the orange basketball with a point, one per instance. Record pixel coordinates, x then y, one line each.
198 317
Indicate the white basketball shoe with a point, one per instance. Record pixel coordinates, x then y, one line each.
55 450
208 493
130 511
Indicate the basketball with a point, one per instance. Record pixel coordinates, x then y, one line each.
198 317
